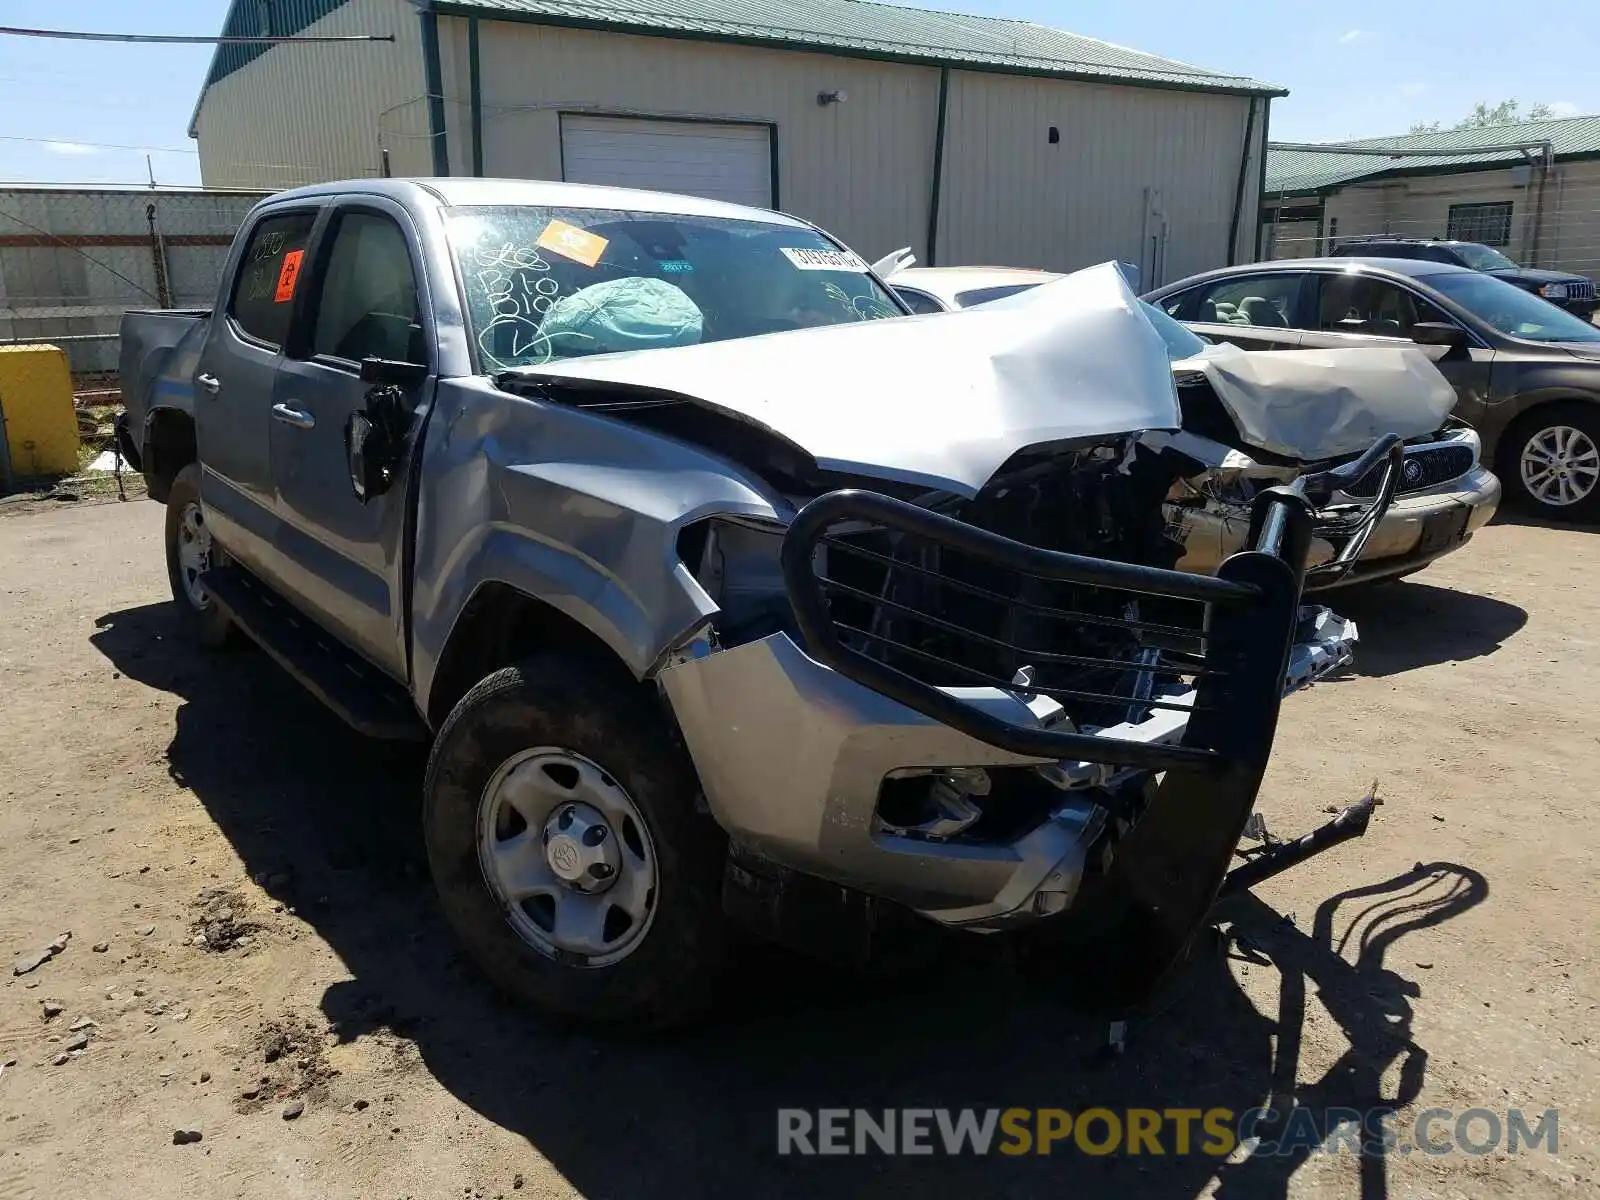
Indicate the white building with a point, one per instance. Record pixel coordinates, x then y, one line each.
969 139
1531 189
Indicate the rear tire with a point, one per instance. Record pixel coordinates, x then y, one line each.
190 552
553 740
1550 462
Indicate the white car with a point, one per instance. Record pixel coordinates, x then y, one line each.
1254 419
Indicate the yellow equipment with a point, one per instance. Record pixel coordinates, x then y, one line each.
40 423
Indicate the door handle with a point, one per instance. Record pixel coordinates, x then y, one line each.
298 417
210 382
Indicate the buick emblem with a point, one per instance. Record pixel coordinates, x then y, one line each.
1411 472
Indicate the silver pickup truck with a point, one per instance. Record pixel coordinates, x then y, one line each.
729 594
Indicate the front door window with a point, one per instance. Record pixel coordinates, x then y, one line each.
1364 304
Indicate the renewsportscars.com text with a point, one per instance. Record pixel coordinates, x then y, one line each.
1216 1132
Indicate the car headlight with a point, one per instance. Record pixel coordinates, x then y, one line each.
1554 291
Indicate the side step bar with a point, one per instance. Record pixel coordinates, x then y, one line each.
367 700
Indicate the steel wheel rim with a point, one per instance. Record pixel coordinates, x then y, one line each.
1560 465
559 904
194 553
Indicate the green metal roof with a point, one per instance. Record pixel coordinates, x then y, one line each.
257 18
1291 171
882 31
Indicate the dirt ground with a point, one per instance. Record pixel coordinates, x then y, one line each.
253 934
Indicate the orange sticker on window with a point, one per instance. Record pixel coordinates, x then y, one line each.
288 274
571 242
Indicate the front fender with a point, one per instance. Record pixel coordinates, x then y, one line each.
576 510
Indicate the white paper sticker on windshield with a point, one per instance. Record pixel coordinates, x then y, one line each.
824 260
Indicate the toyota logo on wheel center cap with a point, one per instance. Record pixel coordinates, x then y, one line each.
565 858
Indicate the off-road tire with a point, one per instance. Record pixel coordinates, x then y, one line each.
567 702
207 624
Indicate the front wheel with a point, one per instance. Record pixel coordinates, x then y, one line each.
1552 462
191 552
563 837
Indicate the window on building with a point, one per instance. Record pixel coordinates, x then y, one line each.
1486 223
264 292
367 306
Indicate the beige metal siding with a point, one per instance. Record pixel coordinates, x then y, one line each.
304 114
1572 229
859 169
1014 198
1420 207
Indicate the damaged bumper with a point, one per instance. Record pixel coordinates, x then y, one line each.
793 757
1422 523
803 744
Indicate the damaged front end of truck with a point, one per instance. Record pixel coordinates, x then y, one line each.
956 669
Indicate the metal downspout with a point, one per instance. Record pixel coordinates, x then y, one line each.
1546 164
433 71
1238 192
938 166
476 86
1261 184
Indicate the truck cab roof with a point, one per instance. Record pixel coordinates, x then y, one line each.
458 192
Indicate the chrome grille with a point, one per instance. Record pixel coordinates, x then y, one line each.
1424 467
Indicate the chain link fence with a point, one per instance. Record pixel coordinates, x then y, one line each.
72 261
1554 227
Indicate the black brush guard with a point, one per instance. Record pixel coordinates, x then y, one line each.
1130 924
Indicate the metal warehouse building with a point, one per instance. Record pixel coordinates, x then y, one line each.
1529 188
969 139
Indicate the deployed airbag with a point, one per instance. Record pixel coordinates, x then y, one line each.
1317 404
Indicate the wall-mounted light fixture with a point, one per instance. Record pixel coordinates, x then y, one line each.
837 96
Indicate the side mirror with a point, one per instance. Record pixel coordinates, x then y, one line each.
388 370
1438 333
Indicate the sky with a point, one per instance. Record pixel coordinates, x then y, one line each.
91 112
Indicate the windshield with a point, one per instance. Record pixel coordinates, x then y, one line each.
1482 258
1512 311
545 284
1181 342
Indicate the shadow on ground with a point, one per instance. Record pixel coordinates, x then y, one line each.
1407 625
1509 515
331 819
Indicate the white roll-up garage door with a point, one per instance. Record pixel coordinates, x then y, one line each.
696 158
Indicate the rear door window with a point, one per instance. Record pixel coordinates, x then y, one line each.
269 277
1264 301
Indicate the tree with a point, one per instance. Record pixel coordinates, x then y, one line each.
1505 113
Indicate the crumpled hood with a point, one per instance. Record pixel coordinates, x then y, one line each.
1317 404
941 400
